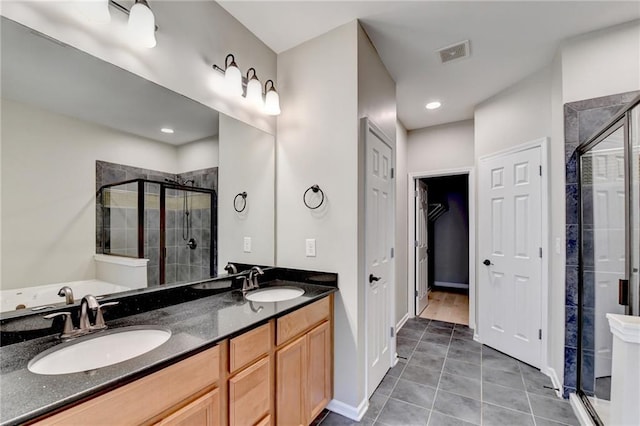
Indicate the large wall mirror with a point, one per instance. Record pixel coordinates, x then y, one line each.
108 179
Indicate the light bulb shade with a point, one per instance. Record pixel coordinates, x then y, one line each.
142 25
254 92
95 10
233 79
272 103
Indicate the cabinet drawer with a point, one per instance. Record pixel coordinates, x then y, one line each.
139 401
249 394
204 411
250 346
295 323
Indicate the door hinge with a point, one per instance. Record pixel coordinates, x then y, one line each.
540 170
392 252
416 293
415 243
416 194
393 332
540 252
539 334
392 172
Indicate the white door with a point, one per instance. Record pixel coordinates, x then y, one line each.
379 242
422 250
510 244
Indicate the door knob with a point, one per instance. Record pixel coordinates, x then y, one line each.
373 278
487 262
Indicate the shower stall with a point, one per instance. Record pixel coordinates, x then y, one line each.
172 223
608 248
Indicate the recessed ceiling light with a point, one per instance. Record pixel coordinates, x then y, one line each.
166 130
434 105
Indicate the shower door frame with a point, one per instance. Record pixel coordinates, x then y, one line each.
621 119
162 225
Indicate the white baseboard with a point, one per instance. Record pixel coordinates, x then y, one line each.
448 284
551 372
402 321
578 409
349 411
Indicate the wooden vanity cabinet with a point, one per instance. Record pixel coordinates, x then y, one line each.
304 366
251 382
278 373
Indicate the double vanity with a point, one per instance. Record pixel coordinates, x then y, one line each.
202 353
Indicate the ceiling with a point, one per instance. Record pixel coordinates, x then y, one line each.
509 41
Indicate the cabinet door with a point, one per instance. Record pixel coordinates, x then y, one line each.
204 411
319 380
291 378
249 394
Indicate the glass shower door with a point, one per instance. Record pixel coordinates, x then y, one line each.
634 154
604 243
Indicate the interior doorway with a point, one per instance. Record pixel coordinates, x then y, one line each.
442 248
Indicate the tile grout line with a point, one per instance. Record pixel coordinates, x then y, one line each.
524 382
435 396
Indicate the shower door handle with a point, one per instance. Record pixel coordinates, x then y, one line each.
623 292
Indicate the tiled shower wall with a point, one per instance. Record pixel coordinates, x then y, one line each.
182 263
581 120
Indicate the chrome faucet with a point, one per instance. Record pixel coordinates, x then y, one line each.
67 293
88 306
89 302
253 277
231 268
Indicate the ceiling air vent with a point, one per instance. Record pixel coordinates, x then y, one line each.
454 52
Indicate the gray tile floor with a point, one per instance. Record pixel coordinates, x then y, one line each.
445 378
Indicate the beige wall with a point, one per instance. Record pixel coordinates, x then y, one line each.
402 227
247 165
48 191
317 143
197 155
448 146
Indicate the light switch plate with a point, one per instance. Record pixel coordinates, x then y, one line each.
310 247
247 244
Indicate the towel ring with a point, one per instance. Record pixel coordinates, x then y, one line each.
243 195
315 189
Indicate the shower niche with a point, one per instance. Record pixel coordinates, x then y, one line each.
168 219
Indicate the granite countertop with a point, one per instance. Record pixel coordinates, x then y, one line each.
195 325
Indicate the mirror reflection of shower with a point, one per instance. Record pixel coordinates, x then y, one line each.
187 235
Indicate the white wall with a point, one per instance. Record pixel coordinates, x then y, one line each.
402 228
448 146
247 161
516 115
48 191
183 58
317 144
198 155
601 63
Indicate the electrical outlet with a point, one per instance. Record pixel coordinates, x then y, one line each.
247 244
310 247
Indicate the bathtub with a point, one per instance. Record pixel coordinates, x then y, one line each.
48 294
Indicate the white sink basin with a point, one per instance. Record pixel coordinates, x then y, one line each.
98 350
274 294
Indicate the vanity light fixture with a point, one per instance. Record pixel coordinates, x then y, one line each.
433 105
234 84
271 99
254 89
232 76
142 25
